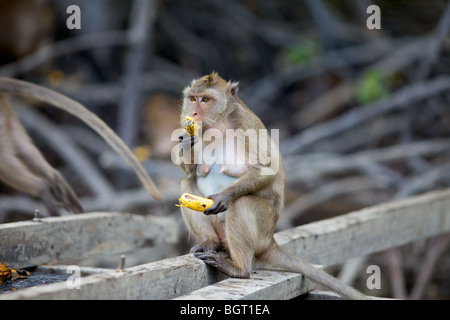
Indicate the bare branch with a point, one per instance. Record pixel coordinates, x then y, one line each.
398 100
64 47
396 274
62 144
435 45
142 15
436 248
323 193
332 101
314 166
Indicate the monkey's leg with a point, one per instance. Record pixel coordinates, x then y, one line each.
206 246
224 264
241 239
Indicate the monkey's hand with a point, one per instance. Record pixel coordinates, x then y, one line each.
220 203
187 141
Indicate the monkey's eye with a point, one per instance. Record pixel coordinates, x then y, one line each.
192 98
205 99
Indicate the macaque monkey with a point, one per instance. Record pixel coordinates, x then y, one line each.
23 167
248 195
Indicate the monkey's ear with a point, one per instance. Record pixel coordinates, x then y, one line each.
211 77
233 89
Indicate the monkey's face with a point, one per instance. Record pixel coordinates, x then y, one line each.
204 106
200 106
206 99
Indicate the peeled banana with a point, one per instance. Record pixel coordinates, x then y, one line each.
190 126
194 202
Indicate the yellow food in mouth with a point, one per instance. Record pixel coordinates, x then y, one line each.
190 126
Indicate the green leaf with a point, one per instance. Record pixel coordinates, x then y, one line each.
301 53
371 87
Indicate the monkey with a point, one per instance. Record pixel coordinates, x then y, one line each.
236 232
23 167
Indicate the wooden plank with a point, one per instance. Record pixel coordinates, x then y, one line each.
369 230
262 284
322 295
325 242
63 269
165 279
336 240
27 243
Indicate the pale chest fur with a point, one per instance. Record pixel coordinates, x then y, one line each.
219 170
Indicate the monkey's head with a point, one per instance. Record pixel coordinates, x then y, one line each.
208 99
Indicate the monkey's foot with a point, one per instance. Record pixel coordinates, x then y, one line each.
205 246
220 261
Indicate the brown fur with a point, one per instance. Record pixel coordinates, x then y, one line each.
252 202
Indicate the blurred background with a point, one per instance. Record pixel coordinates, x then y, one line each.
364 115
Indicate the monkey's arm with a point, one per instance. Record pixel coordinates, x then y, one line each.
251 182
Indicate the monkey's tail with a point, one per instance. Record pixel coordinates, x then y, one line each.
76 109
278 259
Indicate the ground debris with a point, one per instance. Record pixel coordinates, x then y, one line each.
9 274
12 280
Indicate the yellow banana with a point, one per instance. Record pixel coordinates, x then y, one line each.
194 202
190 126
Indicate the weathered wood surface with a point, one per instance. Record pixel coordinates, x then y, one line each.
27 243
322 295
369 230
165 279
262 284
325 242
63 269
